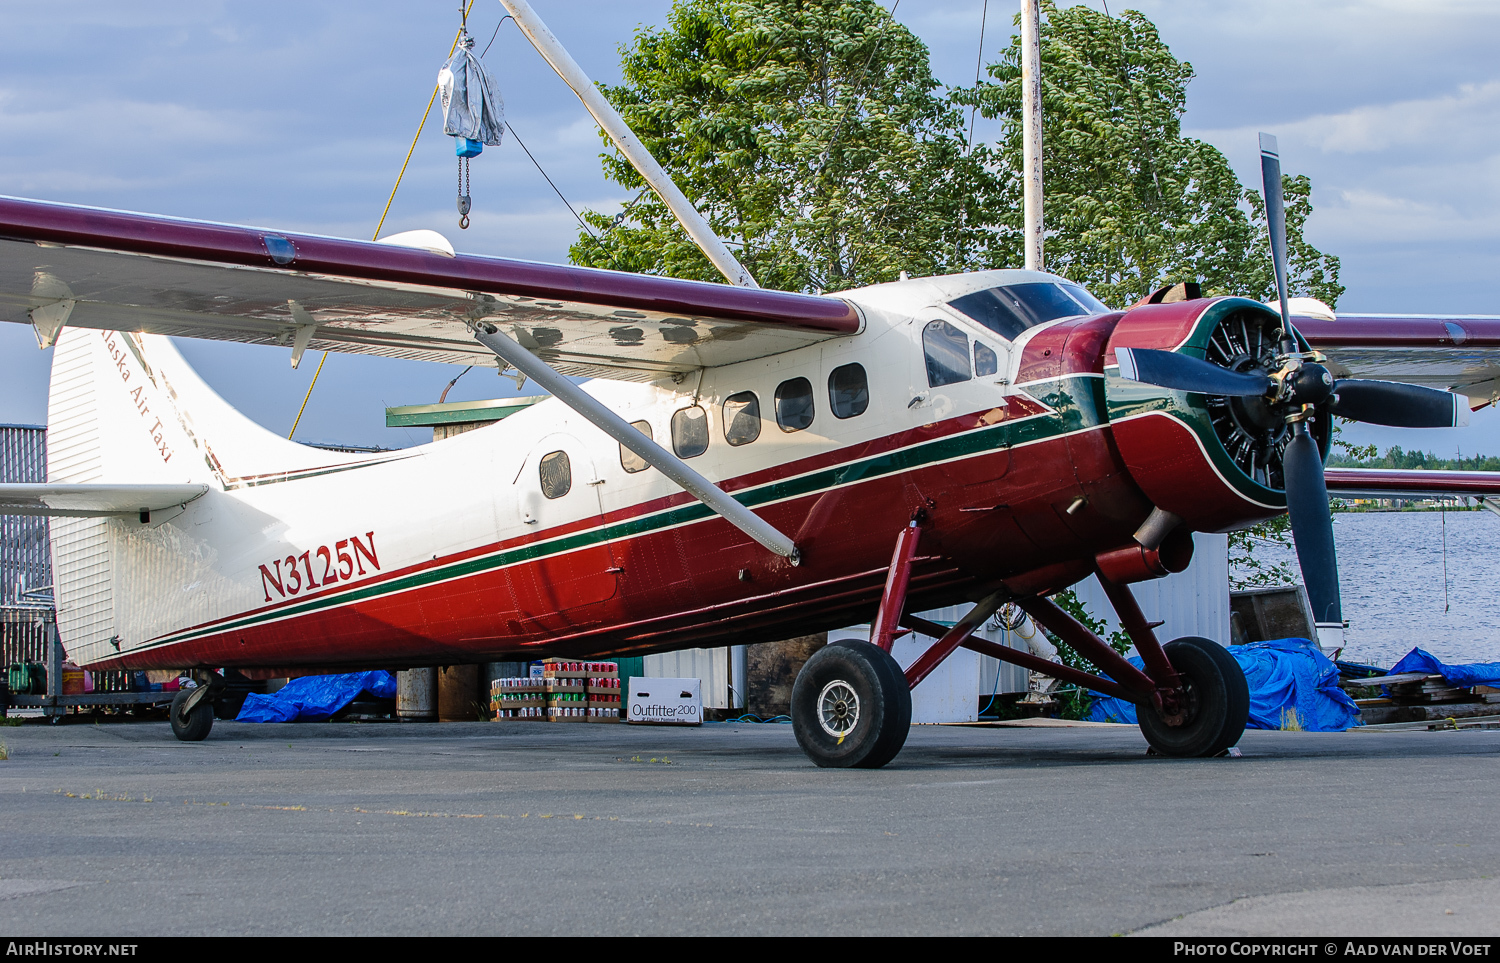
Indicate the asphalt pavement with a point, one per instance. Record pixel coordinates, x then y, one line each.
528 828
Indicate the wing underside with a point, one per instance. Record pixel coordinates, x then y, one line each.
1395 483
86 268
1453 353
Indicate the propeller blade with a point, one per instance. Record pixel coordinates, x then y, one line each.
1312 525
1398 405
1168 369
1270 175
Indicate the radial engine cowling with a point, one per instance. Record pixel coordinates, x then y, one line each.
1214 461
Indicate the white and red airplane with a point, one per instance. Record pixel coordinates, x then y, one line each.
746 465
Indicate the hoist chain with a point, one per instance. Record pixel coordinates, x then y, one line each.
463 193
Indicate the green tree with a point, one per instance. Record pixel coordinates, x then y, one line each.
810 133
1249 561
1130 204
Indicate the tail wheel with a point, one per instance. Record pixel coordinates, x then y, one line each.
851 707
191 725
1217 701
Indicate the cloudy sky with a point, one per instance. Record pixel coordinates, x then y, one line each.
296 115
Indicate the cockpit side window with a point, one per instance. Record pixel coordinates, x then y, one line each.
985 361
947 351
1010 309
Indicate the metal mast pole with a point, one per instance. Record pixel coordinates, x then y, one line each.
1031 128
628 144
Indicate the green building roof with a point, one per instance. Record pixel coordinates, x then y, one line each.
456 412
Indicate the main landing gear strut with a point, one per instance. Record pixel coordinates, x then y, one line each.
851 703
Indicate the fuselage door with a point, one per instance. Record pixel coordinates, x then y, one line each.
571 566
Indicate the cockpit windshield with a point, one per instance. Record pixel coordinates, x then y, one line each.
1012 308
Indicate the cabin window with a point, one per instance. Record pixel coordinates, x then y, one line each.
848 391
947 350
556 473
794 404
741 418
690 432
985 360
629 460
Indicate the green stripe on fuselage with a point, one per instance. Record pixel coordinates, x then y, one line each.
1077 403
1128 398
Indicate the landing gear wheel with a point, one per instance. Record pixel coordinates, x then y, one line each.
1218 701
192 726
851 707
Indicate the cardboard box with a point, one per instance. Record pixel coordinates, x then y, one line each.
528 714
672 702
529 701
517 684
563 669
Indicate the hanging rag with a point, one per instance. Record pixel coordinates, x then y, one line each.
473 114
472 109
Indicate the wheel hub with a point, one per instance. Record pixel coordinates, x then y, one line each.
838 708
1177 706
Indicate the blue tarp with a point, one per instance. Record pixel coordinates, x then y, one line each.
314 698
1459 676
1292 685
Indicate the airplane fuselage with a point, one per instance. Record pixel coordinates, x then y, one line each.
539 535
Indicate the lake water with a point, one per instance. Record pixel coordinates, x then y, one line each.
1391 578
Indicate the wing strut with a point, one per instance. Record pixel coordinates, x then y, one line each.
617 428
624 138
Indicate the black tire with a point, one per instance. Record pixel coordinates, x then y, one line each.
194 725
880 706
1218 701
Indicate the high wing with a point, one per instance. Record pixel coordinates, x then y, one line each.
86 267
1451 352
1396 482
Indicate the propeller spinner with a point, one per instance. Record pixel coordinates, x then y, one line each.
1267 390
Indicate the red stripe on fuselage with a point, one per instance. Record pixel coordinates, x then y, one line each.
1018 406
670 574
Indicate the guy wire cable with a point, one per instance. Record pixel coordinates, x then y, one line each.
376 236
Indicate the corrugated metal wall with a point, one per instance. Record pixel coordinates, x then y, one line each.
25 561
1195 602
721 671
